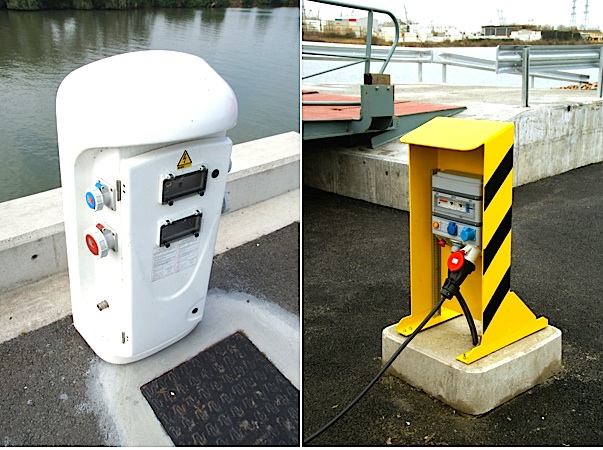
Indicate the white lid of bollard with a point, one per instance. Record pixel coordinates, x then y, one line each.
142 98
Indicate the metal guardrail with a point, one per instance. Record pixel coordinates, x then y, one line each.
549 62
471 62
344 52
526 59
513 65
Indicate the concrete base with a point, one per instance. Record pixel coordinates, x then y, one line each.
429 363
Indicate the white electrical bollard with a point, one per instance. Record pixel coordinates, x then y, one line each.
144 158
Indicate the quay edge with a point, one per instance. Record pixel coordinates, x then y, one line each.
561 130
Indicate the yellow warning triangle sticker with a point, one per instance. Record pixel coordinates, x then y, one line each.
185 161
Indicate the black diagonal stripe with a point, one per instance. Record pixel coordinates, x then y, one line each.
497 239
498 178
497 298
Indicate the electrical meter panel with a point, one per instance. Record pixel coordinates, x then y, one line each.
174 187
173 230
456 207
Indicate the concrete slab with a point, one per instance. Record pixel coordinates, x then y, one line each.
263 168
429 363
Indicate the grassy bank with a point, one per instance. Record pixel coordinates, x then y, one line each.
33 5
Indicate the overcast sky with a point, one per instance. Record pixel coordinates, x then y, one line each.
470 15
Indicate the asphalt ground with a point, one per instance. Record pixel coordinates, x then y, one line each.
356 282
44 399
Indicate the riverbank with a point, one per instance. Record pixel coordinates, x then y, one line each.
35 5
338 39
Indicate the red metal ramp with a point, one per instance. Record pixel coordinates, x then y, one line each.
324 120
324 112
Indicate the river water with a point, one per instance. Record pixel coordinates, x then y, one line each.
255 50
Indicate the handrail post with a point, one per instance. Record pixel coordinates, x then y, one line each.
525 75
600 79
444 73
420 72
371 10
369 42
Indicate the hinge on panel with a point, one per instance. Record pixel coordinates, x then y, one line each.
118 188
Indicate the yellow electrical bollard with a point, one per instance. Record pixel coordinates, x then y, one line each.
451 162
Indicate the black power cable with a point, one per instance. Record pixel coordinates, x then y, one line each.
469 318
451 288
381 372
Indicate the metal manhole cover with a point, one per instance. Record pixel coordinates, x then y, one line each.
229 394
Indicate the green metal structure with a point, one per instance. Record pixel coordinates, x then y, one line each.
379 115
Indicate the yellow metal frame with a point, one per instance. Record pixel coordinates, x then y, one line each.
483 148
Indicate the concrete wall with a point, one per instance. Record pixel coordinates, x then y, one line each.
32 232
556 139
378 176
32 239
